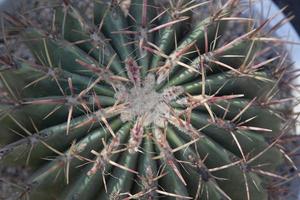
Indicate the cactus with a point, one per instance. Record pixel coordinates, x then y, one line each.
142 103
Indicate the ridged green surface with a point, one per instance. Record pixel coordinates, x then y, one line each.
67 111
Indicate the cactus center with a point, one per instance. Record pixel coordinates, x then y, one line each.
143 101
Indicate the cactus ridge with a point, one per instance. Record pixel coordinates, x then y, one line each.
143 104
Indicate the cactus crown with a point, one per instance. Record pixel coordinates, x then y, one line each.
142 103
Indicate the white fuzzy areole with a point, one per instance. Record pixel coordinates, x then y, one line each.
145 102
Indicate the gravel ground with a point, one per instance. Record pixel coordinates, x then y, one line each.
11 180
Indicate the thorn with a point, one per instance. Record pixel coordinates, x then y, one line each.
122 167
69 119
172 195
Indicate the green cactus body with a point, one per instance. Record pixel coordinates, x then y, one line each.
141 105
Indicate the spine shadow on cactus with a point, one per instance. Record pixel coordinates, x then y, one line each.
143 104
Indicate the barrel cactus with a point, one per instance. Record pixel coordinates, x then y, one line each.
150 100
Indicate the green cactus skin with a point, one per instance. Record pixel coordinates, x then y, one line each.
141 105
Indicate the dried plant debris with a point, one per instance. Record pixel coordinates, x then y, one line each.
145 99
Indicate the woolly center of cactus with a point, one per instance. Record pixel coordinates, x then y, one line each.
143 101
